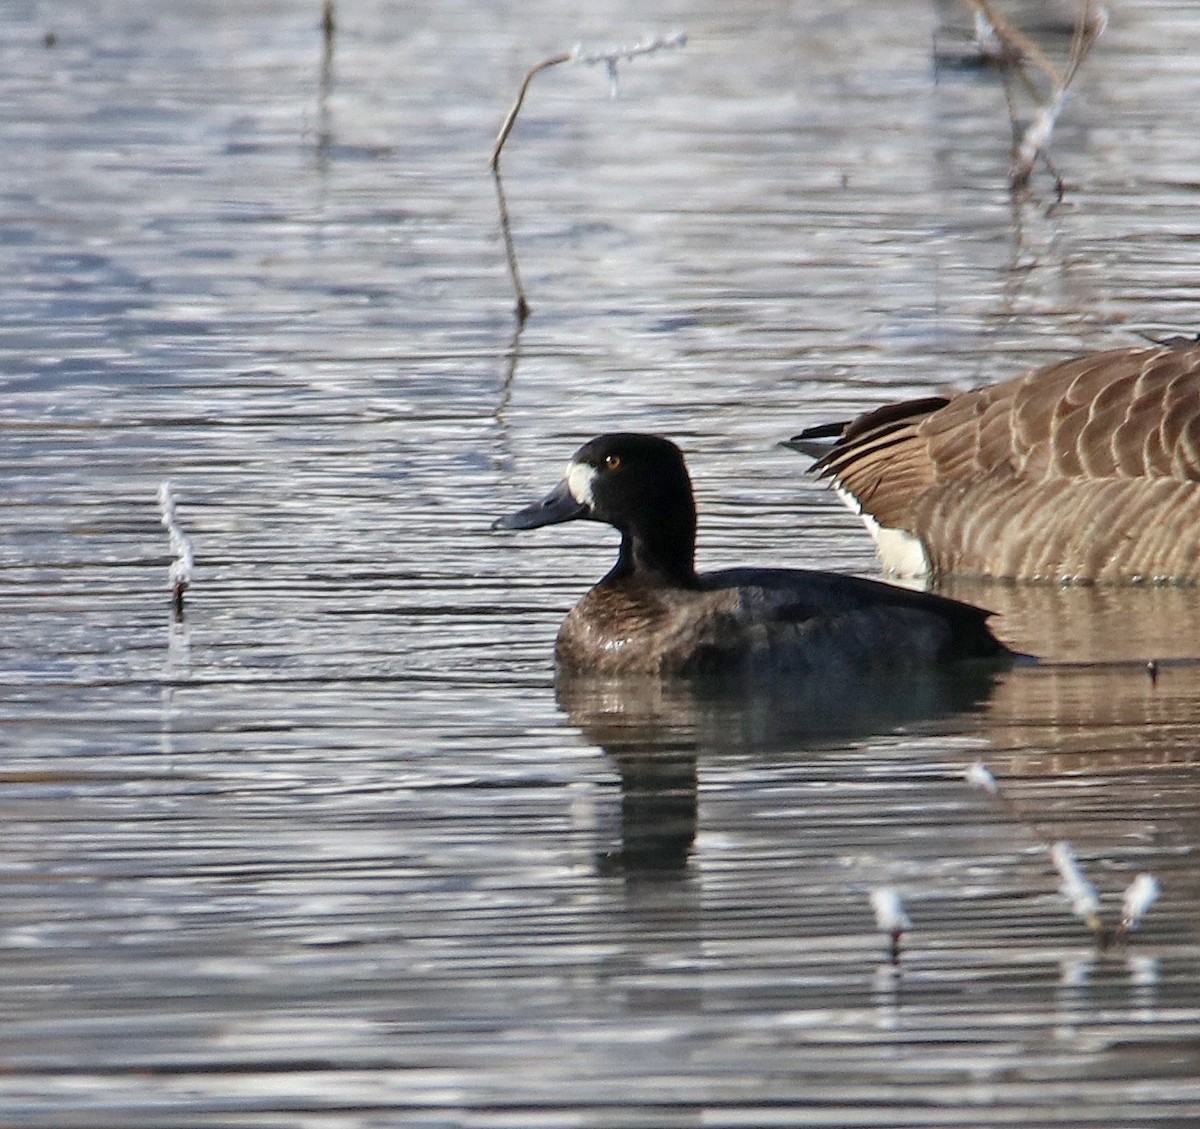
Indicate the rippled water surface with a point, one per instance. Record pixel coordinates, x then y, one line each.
335 850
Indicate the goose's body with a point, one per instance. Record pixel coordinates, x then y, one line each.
1087 470
654 614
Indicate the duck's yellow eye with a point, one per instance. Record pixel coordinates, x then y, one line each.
612 461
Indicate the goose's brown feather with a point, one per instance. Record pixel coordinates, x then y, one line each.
1088 469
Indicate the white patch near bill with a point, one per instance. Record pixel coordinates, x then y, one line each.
580 478
899 552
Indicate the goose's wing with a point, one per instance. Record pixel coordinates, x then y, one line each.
1125 413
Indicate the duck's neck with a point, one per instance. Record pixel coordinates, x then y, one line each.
664 554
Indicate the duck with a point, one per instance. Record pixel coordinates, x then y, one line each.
1084 471
654 614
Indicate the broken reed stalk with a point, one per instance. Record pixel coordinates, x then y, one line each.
179 576
575 55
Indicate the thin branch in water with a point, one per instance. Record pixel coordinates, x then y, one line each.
328 29
179 576
510 251
510 119
575 55
998 38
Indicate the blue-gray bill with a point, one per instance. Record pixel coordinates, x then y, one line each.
558 506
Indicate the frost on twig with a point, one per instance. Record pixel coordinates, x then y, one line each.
890 917
577 55
179 576
610 59
615 55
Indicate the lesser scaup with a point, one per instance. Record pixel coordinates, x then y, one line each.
1086 470
653 613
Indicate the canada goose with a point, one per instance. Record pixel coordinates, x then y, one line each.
653 613
1086 470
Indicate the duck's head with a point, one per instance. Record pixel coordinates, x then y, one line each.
637 483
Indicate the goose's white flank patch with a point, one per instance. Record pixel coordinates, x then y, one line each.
899 552
580 478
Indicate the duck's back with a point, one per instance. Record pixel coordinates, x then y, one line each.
768 620
1086 469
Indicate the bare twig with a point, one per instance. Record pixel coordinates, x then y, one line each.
1139 896
1085 902
1074 884
510 118
576 55
609 58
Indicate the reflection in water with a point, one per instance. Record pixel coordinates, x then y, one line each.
1093 624
655 731
1092 701
1077 718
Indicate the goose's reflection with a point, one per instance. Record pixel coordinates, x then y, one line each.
657 731
1117 684
1095 624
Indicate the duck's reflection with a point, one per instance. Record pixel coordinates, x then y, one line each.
656 731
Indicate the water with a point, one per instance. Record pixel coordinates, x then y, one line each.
335 850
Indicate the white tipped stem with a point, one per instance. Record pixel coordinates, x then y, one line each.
1085 902
978 776
890 916
1140 895
179 575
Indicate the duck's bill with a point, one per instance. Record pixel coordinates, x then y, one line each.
558 506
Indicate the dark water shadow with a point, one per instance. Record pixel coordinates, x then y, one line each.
657 732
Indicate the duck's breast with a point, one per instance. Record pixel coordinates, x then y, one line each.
630 628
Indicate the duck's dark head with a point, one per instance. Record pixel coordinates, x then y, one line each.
637 483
